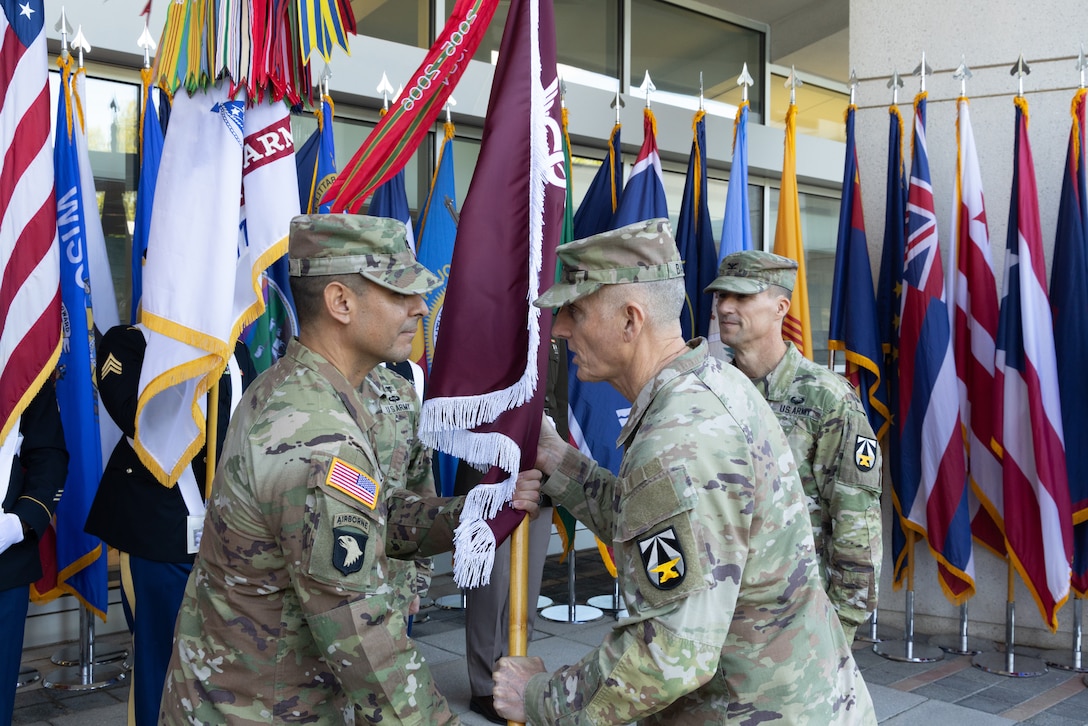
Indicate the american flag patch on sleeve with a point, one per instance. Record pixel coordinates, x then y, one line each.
353 482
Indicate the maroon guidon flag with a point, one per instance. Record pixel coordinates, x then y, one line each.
486 392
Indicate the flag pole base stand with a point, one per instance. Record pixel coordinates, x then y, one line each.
451 602
907 652
571 614
27 676
608 604
73 678
103 654
1066 661
1009 664
542 601
954 646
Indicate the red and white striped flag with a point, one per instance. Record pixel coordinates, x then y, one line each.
30 285
1038 523
973 291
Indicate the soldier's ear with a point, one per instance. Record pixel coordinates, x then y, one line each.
339 301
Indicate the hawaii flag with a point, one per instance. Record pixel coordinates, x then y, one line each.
972 292
933 486
226 193
1038 521
644 196
486 391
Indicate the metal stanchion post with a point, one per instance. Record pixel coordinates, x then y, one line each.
572 612
86 675
1071 661
959 644
872 637
908 651
611 602
1007 663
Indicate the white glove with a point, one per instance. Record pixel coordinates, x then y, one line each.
11 530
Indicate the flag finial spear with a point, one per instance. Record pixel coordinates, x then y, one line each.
80 42
450 103
744 80
618 103
895 83
323 81
1082 63
65 29
385 88
647 87
962 74
853 86
1020 69
923 70
792 83
700 90
147 42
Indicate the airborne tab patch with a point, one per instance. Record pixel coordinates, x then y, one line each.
354 482
663 559
865 453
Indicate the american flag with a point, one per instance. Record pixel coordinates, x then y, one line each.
1038 522
933 486
356 484
30 286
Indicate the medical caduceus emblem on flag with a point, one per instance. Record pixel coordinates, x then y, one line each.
663 559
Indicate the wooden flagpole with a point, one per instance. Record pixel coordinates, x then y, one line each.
211 438
519 590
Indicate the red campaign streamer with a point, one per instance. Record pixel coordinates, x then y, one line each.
400 132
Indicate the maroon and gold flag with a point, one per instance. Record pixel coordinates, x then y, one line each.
485 395
393 141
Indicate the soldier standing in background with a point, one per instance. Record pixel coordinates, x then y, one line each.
831 439
707 518
290 613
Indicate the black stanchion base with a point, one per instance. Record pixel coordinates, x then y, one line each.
953 646
1067 660
27 676
904 652
564 614
1022 666
71 678
103 653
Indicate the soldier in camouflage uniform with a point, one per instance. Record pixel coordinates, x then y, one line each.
832 441
293 610
728 621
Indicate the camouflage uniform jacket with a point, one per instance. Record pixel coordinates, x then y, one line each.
289 614
728 621
839 460
393 406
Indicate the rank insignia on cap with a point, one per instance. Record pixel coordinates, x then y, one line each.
349 548
663 559
865 453
354 482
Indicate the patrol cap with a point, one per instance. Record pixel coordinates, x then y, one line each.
752 271
340 244
640 252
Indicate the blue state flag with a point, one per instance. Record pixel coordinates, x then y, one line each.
391 200
437 231
644 195
737 225
853 329
81 559
695 238
151 140
594 214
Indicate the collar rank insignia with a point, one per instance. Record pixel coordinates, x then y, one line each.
663 559
348 550
354 482
865 453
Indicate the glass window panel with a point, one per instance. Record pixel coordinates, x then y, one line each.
819 230
676 44
820 111
399 21
112 119
587 34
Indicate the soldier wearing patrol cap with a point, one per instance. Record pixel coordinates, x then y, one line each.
294 611
707 520
832 441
